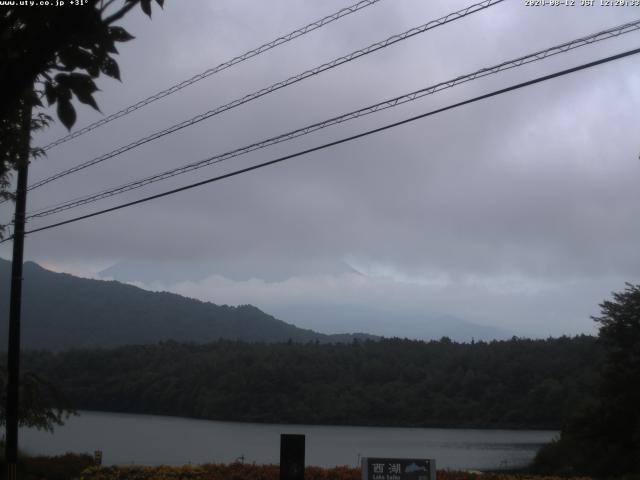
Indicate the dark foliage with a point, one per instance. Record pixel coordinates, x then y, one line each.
53 53
518 383
62 467
61 50
603 438
41 404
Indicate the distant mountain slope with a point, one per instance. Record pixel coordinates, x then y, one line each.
386 323
169 272
61 311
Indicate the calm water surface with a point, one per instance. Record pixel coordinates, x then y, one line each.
152 440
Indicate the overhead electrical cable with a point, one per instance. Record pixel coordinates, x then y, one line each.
277 86
343 140
223 66
390 103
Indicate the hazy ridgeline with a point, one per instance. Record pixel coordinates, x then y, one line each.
518 383
61 311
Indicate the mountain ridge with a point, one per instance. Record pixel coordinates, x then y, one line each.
61 311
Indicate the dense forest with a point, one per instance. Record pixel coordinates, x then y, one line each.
518 383
601 438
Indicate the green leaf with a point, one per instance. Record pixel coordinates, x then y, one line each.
110 46
50 93
38 153
63 92
119 34
83 88
110 67
78 58
93 70
81 81
62 79
87 98
40 121
66 112
146 6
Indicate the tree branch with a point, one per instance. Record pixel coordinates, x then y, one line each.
121 13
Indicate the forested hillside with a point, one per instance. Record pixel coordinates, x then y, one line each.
518 383
61 311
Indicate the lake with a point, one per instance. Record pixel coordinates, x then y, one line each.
153 440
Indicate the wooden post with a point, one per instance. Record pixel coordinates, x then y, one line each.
13 358
292 457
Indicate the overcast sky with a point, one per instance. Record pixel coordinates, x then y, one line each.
521 211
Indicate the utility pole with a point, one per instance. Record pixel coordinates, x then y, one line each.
13 361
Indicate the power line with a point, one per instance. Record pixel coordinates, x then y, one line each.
223 66
277 86
343 140
523 60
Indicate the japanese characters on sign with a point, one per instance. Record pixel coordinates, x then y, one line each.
398 469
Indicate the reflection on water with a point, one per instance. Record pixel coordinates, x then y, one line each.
153 440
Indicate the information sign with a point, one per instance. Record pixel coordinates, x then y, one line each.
398 469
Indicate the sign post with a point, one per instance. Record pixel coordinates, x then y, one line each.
398 469
292 457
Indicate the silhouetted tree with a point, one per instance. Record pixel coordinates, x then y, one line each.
604 439
54 53
619 422
42 406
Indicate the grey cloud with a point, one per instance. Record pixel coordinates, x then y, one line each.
539 184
